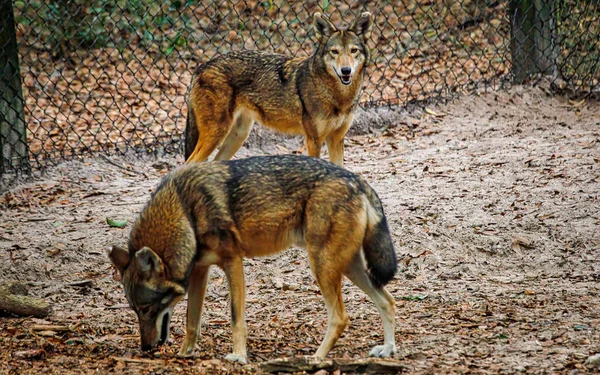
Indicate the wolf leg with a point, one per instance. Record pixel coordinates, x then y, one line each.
313 146
236 137
357 273
196 292
237 291
335 142
213 118
206 145
330 284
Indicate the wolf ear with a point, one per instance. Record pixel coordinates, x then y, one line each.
362 25
148 263
120 258
323 26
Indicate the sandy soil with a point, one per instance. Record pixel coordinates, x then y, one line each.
494 205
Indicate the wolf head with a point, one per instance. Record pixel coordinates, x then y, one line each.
149 293
344 52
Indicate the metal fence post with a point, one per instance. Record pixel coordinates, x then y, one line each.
533 45
14 153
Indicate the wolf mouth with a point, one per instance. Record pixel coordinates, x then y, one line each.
345 79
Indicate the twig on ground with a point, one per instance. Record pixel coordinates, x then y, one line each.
138 360
110 161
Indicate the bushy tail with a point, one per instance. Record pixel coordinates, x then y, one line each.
191 132
377 244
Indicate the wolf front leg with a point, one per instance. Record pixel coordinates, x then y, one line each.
312 139
237 292
335 142
313 147
196 292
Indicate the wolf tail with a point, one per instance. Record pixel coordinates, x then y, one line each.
191 132
377 243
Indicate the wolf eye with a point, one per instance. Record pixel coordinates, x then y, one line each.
335 52
354 50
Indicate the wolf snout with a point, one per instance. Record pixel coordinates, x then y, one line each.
147 347
345 75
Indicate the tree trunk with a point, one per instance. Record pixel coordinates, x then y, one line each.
14 152
533 45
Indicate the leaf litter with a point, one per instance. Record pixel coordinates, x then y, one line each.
493 209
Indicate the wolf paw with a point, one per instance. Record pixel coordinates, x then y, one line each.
185 353
237 358
383 351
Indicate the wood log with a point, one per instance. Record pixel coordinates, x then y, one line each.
309 364
14 299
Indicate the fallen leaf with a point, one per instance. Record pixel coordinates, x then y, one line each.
575 103
433 113
116 223
521 241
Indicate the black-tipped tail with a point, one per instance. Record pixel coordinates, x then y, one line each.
379 252
191 133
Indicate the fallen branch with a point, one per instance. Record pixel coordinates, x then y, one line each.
368 366
14 299
49 327
137 360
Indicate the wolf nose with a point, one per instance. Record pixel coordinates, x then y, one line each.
146 347
346 71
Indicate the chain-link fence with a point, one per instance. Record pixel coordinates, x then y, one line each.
113 75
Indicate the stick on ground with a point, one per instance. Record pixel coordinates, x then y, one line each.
14 299
366 366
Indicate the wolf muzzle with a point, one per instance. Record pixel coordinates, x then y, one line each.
345 75
157 333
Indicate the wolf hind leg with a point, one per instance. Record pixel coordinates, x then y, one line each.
330 284
327 261
333 236
384 301
213 119
236 137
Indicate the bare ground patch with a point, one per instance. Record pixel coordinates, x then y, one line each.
494 205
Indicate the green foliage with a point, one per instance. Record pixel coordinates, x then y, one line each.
67 25
116 223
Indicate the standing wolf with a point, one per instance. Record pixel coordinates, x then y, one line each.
313 96
217 213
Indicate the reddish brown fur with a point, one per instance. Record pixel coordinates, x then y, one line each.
305 96
217 213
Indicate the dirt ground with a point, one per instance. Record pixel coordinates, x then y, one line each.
494 205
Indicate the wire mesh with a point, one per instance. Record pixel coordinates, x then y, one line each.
113 75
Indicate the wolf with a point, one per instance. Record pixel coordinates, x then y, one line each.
219 212
313 96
